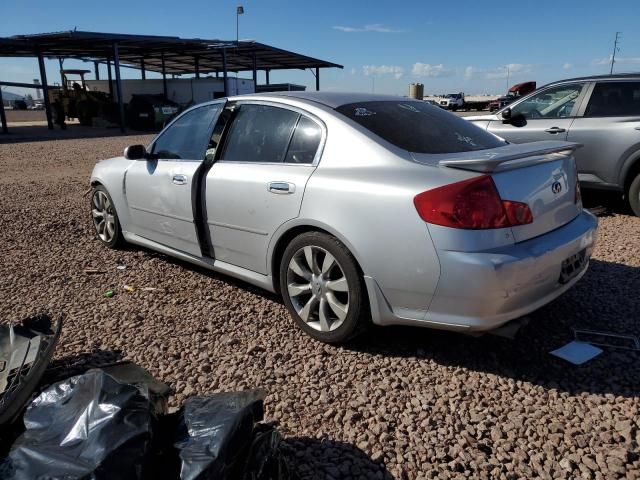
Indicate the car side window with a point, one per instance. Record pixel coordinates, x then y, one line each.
305 142
259 133
554 102
614 99
187 137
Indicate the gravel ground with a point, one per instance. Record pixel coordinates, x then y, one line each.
396 403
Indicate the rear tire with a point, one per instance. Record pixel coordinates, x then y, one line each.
322 288
633 195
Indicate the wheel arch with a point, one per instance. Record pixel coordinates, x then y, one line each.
630 170
288 232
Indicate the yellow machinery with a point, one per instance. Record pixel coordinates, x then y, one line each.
74 100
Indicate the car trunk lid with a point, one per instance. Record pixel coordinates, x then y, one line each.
541 174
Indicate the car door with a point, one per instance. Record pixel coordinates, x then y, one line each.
160 189
545 115
257 184
609 128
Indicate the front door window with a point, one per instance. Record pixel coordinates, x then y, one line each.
555 102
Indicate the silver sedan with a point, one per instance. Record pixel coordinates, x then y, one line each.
356 209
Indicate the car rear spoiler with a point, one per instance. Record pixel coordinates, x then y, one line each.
512 156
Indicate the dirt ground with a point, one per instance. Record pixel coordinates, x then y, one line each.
25 116
396 403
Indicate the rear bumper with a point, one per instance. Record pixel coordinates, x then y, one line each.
480 291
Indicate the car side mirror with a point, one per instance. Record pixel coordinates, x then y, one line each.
506 115
135 152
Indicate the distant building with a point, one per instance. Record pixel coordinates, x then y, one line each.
9 98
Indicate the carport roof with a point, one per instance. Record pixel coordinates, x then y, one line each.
179 53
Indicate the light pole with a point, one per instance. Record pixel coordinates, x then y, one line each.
508 73
239 11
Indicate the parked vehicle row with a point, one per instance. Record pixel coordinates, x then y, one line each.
355 208
460 101
601 112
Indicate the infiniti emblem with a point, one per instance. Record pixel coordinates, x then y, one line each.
556 187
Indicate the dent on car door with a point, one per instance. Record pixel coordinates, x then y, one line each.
545 115
258 182
160 189
608 126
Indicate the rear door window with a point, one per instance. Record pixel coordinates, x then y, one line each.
260 133
614 99
187 137
305 142
419 127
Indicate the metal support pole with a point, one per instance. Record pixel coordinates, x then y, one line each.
143 72
164 77
116 64
110 78
255 72
224 71
267 74
45 91
3 117
317 79
61 68
196 61
96 70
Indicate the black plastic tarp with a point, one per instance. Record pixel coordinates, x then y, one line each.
88 426
216 434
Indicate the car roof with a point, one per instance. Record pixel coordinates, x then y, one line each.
329 99
595 78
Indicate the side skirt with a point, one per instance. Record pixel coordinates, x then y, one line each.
257 279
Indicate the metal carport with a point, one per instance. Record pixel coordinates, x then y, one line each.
164 55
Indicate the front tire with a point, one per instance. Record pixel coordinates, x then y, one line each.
105 218
322 288
633 195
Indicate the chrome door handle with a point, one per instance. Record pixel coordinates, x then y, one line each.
179 180
281 187
555 130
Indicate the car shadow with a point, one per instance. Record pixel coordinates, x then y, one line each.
235 282
311 459
605 300
603 203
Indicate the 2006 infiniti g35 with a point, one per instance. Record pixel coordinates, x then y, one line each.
355 208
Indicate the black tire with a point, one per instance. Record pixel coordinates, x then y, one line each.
633 195
110 237
355 298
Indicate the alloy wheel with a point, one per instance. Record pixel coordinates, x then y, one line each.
103 215
318 288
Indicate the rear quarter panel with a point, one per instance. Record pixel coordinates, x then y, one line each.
363 193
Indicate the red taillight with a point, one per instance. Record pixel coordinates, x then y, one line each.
473 204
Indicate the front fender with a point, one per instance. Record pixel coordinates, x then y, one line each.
111 174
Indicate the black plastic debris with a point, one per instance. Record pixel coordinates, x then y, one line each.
25 352
265 460
217 433
89 426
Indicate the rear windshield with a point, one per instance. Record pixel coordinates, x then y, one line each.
419 127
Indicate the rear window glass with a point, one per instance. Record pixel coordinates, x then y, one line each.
614 99
419 127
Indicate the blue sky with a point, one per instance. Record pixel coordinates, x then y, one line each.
449 46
